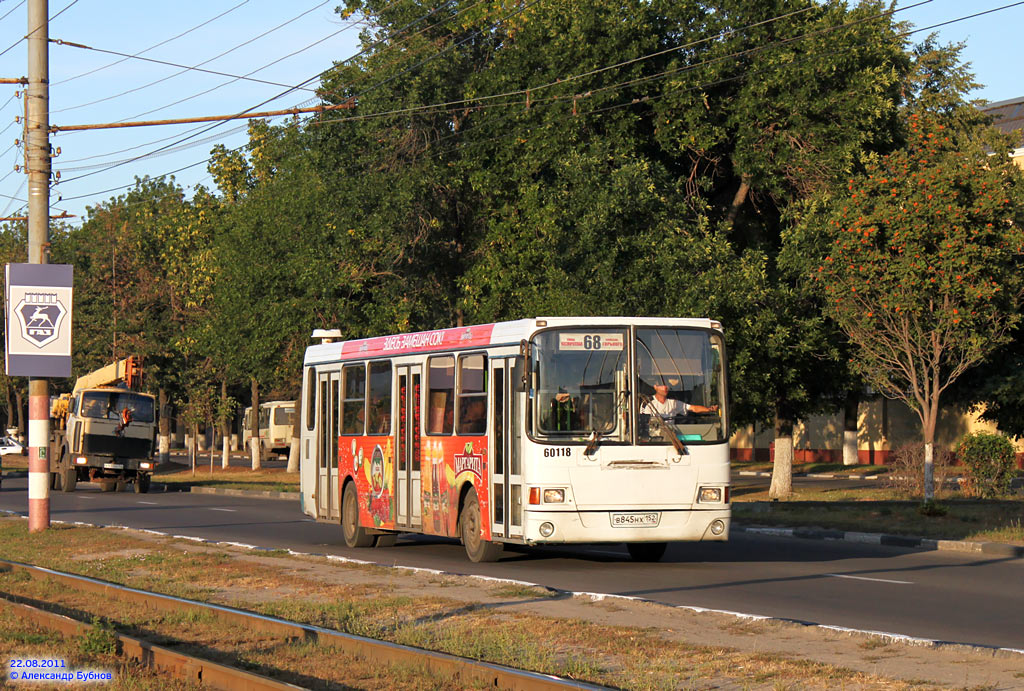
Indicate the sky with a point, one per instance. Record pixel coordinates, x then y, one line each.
301 38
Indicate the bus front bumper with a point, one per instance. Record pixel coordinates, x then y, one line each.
654 525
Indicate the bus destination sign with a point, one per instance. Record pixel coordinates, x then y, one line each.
575 340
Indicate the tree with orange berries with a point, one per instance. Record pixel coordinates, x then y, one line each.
922 263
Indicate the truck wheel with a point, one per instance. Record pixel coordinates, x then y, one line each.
477 549
141 483
355 535
108 485
68 478
55 481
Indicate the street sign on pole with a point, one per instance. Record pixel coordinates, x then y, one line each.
38 314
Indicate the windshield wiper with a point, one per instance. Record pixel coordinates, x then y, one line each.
676 441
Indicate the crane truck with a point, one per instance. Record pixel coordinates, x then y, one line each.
104 430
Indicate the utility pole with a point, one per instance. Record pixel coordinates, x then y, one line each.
37 147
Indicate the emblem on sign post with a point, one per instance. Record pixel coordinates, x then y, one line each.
40 316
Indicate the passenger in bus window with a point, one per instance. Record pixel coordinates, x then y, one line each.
379 416
473 416
667 408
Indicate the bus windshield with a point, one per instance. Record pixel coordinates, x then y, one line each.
681 385
582 383
109 404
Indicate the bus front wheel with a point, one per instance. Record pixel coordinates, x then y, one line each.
477 549
355 535
646 551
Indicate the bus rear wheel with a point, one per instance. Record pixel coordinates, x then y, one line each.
355 535
646 551
477 549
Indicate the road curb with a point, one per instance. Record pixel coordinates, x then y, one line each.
817 476
993 548
290 496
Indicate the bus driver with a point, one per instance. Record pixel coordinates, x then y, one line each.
667 408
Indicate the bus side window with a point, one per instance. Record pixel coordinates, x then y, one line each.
472 394
353 408
310 398
440 390
379 400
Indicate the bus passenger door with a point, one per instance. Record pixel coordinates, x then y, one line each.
505 468
407 448
327 492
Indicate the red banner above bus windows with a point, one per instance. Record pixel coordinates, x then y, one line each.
424 341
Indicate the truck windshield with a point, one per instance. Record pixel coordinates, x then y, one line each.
109 404
680 380
582 383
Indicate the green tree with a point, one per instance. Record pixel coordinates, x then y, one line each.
923 266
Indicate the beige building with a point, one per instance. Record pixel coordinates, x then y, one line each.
1009 117
882 426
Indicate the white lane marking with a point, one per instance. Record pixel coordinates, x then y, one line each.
231 510
151 503
85 496
863 578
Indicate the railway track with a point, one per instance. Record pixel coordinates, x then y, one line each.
461 671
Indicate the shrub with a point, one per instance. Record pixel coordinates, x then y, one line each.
932 509
906 469
988 461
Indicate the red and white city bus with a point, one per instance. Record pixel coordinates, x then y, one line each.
536 431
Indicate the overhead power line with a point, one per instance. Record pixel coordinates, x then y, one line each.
15 44
11 11
146 50
258 69
176 147
462 104
208 118
258 105
186 68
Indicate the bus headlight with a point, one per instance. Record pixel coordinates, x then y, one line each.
554 496
547 529
710 495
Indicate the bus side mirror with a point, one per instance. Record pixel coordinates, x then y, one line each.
520 378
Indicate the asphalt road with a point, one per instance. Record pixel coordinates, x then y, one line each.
937 595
